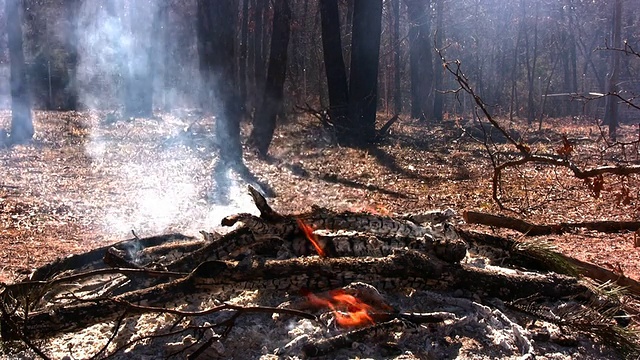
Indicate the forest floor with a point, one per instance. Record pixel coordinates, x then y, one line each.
89 179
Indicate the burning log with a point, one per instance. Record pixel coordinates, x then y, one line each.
406 269
308 253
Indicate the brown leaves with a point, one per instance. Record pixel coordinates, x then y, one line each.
596 185
567 147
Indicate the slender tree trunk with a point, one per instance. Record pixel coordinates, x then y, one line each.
138 100
420 58
258 40
21 122
333 62
349 30
438 98
265 120
165 58
513 102
531 59
397 91
363 78
611 109
71 28
244 39
215 30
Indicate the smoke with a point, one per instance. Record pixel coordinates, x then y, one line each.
160 175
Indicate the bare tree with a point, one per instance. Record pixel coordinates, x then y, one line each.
611 108
333 62
264 122
420 58
216 52
21 122
72 7
363 77
397 92
438 100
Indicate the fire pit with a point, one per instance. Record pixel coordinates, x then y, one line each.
321 283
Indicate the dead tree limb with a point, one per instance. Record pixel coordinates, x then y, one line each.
530 229
548 260
93 260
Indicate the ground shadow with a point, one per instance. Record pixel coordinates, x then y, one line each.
387 160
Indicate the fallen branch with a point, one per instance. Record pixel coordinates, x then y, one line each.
530 229
521 254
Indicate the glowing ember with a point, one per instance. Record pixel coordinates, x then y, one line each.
308 233
348 310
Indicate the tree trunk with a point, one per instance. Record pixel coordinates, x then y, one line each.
72 8
138 101
438 99
334 63
531 59
348 40
21 122
258 39
244 39
611 109
215 49
265 119
397 92
420 59
363 80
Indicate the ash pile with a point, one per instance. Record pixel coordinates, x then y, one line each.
320 284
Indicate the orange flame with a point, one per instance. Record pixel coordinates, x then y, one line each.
348 310
308 233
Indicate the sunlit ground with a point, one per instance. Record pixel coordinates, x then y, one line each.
89 179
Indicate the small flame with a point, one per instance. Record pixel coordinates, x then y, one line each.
308 233
348 310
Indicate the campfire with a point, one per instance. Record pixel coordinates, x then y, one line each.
321 283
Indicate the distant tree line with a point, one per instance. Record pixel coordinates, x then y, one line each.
256 60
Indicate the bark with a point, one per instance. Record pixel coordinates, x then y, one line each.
363 79
611 107
21 122
264 122
420 59
334 63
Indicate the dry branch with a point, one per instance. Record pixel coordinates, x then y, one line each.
548 260
530 229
